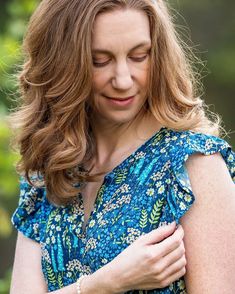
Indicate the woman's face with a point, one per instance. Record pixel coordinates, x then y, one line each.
120 49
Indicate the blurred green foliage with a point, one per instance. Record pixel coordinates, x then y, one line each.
8 178
18 13
14 15
212 27
212 30
5 283
8 192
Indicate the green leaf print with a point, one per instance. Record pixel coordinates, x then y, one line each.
100 194
64 235
143 218
50 275
156 211
116 218
121 177
50 219
68 242
60 280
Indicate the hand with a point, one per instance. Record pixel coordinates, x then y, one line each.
154 260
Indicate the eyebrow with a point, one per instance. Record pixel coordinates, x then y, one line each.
104 51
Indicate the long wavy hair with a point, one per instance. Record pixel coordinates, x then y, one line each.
53 131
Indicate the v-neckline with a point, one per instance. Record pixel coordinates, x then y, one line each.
110 175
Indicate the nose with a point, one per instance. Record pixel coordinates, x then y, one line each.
122 79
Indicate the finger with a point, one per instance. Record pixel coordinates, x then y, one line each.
173 269
173 277
170 243
162 283
159 234
165 262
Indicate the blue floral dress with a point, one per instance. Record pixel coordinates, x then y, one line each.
148 189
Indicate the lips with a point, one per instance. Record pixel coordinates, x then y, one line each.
120 102
120 99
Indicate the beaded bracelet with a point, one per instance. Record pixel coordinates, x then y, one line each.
78 284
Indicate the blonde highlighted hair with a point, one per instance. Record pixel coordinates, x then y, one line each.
54 135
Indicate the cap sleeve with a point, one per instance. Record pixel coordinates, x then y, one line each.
27 218
180 195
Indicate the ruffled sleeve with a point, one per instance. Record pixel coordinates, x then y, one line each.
28 217
180 196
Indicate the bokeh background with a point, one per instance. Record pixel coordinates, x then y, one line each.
209 24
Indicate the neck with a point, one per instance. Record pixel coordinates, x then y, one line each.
119 141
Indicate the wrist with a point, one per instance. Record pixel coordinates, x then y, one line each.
101 282
79 284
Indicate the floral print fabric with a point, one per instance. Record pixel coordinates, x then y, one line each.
148 189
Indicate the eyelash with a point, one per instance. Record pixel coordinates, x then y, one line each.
136 59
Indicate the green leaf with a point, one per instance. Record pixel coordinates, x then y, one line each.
121 177
143 218
156 211
60 280
50 275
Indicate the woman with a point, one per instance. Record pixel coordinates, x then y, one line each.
111 131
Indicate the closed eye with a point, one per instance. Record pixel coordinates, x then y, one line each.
140 58
100 64
134 58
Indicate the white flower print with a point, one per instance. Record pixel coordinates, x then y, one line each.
53 239
158 184
230 158
157 176
133 234
161 189
140 154
181 285
74 265
182 206
57 218
91 244
168 181
45 254
86 270
188 198
209 144
150 192
92 223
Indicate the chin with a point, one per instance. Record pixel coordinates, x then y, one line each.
125 119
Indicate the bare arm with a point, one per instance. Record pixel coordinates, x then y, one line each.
159 254
210 227
27 272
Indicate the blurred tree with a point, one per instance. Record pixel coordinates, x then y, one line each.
212 29
14 15
8 191
3 15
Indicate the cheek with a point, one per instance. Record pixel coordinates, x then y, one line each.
100 79
141 73
143 78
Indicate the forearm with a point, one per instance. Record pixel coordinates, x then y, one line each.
101 282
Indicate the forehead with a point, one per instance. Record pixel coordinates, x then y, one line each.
123 27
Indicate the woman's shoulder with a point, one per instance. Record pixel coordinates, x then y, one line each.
181 144
202 148
194 140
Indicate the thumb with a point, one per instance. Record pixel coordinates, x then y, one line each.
159 234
